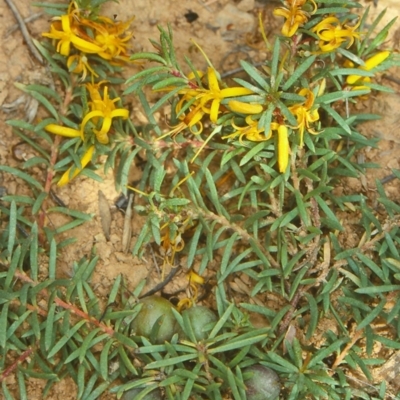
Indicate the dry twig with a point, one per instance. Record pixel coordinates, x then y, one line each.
24 30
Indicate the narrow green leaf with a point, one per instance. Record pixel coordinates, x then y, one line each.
314 315
33 252
299 71
252 153
325 352
12 227
3 325
104 359
237 344
148 56
221 321
378 289
213 191
38 203
372 315
16 258
49 329
254 74
277 359
170 361
61 343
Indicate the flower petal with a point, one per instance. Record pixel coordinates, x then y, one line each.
62 130
283 148
72 173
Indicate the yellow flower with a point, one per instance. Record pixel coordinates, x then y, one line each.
72 172
332 34
79 64
105 109
370 63
295 17
251 131
61 31
304 114
109 37
210 99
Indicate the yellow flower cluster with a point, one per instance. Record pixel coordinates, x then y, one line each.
332 33
108 39
197 102
103 111
294 14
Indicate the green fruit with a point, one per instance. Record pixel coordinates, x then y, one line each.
155 317
199 317
263 384
132 394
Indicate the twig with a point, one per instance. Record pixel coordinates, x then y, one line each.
388 178
67 306
158 287
15 364
345 351
24 31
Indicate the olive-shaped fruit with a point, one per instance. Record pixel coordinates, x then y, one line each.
155 309
132 394
263 384
199 317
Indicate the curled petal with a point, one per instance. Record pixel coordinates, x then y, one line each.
89 116
375 60
283 148
195 278
212 80
62 130
73 171
120 112
84 45
214 110
245 108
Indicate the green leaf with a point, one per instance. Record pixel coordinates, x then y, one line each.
63 341
325 352
378 289
22 175
12 227
3 325
237 344
254 74
104 357
330 219
252 153
221 321
372 315
213 192
148 56
286 365
299 72
314 314
170 361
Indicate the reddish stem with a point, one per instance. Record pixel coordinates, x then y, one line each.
15 364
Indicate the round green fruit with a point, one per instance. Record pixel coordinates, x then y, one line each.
199 317
155 310
263 384
132 394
